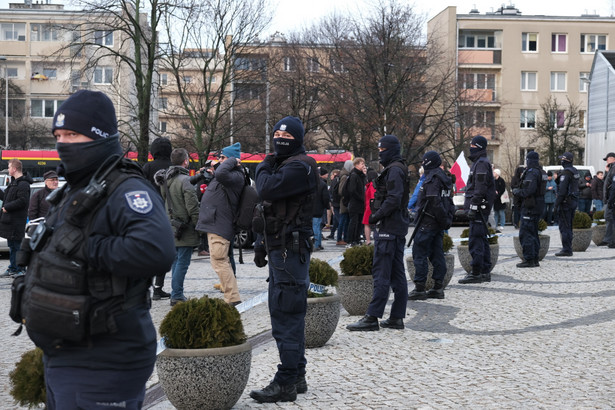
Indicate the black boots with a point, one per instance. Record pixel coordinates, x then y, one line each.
365 324
564 253
160 294
392 323
472 278
418 293
437 292
529 264
301 385
274 393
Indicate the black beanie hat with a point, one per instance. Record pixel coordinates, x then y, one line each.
293 126
479 141
431 160
532 156
389 142
90 113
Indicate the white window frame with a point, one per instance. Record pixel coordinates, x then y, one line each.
555 43
589 40
12 31
162 126
313 66
558 81
51 106
524 116
555 117
526 42
187 79
12 72
50 72
103 38
164 103
583 81
290 64
103 75
526 81
164 79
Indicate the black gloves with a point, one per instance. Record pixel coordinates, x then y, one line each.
516 191
269 160
372 219
259 257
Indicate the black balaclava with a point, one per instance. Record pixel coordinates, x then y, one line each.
392 151
285 147
566 159
532 159
431 160
481 147
81 159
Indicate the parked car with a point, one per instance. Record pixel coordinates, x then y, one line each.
458 201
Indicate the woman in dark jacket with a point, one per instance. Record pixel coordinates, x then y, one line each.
15 199
499 208
585 194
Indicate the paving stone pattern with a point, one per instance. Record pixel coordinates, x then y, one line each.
532 338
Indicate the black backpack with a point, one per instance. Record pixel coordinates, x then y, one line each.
335 193
248 198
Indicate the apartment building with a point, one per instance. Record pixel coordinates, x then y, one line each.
513 64
49 55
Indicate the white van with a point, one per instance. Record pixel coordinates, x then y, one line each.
583 169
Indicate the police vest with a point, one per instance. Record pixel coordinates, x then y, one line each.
65 298
381 187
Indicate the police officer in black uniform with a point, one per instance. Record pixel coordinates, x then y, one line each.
480 194
286 183
532 193
566 202
609 200
390 213
428 239
86 300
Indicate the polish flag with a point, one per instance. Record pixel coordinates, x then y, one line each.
461 170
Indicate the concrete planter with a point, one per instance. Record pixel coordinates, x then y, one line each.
196 379
581 238
598 232
450 267
356 293
466 259
545 241
321 320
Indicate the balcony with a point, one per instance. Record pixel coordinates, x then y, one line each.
479 57
479 97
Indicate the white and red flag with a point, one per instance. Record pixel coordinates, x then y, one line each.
461 170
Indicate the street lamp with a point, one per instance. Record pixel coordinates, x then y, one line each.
6 102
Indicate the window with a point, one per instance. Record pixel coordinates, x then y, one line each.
558 118
485 118
478 81
529 42
528 118
312 65
478 39
246 92
163 103
162 126
12 31
75 78
103 75
592 42
164 79
250 63
290 64
337 65
44 108
103 38
558 43
528 81
43 32
11 72
558 81
49 72
582 119
583 82
187 79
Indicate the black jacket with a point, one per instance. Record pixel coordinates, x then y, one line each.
500 188
15 200
597 188
392 217
38 204
480 190
321 199
356 191
430 192
533 202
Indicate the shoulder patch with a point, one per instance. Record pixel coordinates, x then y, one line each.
139 201
562 178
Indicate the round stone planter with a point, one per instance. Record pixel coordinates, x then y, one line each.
356 293
204 378
450 267
465 258
581 238
321 320
598 232
545 241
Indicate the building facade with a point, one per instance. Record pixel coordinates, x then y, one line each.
514 64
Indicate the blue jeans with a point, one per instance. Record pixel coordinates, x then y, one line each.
317 231
14 246
342 228
598 204
178 270
500 217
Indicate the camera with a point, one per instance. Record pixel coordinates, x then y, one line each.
202 177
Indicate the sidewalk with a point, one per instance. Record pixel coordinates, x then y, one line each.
531 338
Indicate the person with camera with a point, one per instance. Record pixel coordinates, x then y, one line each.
90 266
183 211
216 216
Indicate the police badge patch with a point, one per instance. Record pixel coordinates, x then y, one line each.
139 201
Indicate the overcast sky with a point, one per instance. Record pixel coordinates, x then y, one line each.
292 15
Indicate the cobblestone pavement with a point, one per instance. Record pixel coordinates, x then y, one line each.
531 338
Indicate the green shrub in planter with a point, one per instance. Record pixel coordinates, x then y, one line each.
542 225
581 220
357 260
28 379
321 273
202 324
493 238
447 243
599 218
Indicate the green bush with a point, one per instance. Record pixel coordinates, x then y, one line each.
28 379
321 273
542 225
493 238
599 218
447 243
581 220
357 261
202 323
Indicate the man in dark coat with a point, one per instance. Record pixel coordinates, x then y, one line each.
161 150
479 197
566 202
355 188
15 199
38 202
321 204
